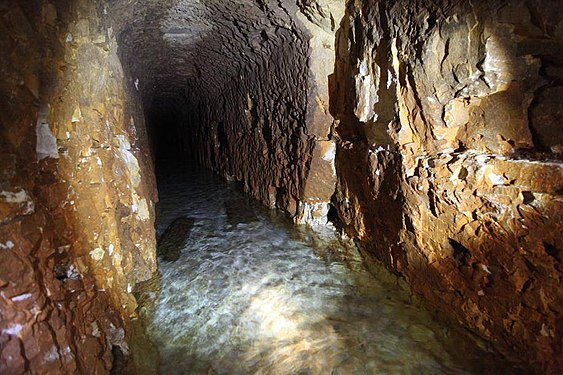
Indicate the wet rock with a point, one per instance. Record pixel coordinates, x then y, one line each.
438 123
446 197
258 111
238 211
66 270
172 241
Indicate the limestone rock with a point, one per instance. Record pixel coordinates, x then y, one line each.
171 243
69 253
460 189
434 128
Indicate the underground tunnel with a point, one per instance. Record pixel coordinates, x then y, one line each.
281 187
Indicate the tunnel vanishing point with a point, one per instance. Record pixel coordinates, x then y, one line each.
430 130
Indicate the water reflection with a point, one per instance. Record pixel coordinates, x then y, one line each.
252 294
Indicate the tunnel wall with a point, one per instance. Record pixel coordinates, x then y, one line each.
449 158
254 131
255 101
76 190
445 149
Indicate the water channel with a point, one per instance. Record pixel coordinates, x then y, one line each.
252 293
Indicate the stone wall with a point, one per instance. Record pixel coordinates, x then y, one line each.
434 128
248 80
449 158
253 129
76 190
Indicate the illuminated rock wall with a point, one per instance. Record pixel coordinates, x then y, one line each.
76 190
449 158
433 127
247 81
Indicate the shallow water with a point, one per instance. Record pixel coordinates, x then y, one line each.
253 294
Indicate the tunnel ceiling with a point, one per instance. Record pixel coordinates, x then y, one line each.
200 45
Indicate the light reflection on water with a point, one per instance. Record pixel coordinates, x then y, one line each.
253 294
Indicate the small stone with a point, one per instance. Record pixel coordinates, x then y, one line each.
97 254
172 241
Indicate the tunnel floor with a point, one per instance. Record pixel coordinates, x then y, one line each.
251 293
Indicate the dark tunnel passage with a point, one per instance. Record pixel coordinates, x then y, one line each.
223 83
397 182
165 122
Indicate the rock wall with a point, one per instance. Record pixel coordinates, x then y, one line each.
433 127
449 158
76 190
253 129
247 81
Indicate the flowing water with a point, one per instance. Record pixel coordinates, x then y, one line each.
251 293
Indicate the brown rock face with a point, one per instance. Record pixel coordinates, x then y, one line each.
77 188
447 158
243 84
434 128
76 192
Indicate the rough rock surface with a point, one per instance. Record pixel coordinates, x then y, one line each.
433 127
76 192
77 187
246 80
170 245
449 158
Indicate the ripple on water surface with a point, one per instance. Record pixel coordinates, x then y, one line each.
253 294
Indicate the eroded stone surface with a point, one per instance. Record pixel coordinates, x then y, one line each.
447 158
76 164
247 82
445 151
76 192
